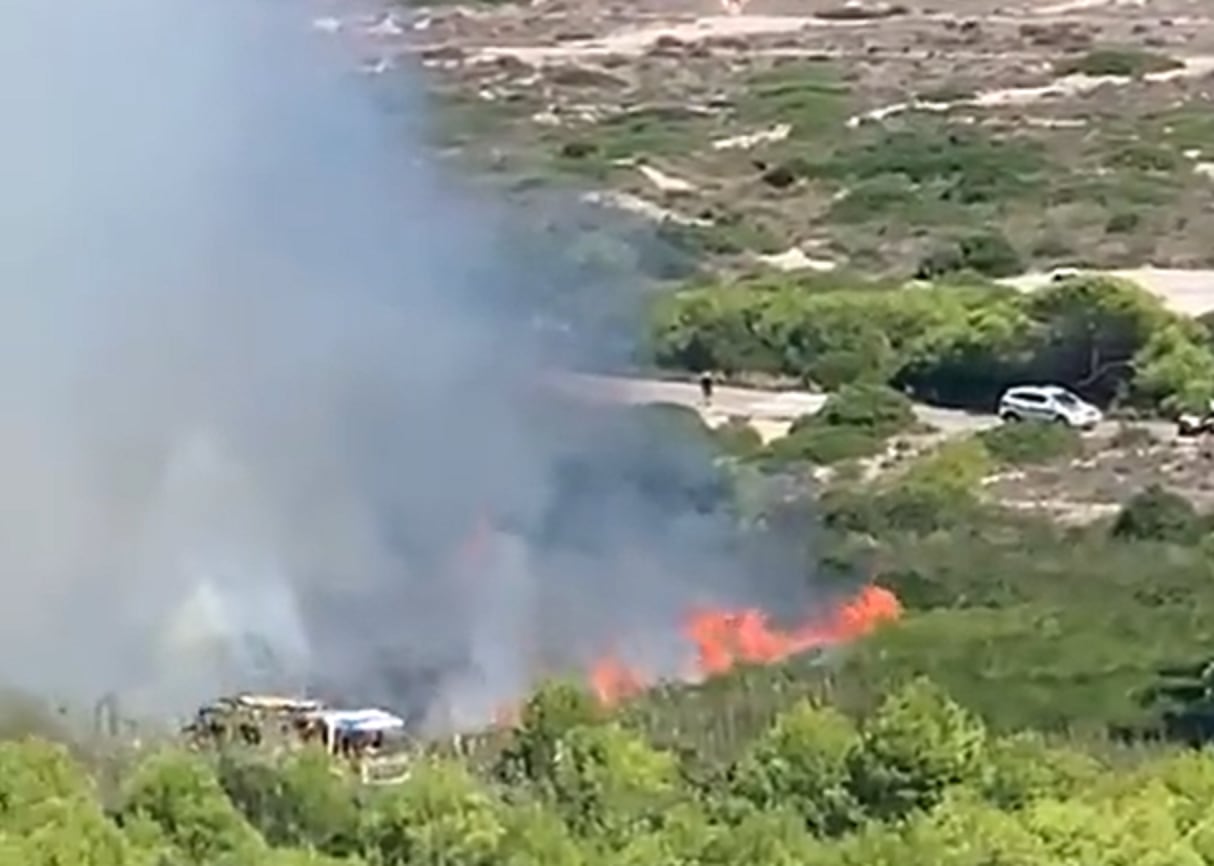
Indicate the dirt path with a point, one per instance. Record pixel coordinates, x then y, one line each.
772 411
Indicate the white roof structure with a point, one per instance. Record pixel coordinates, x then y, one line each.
275 702
368 721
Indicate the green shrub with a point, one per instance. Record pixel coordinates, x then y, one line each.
1157 514
672 419
738 438
919 743
1175 370
1126 61
823 444
956 164
872 407
849 12
1019 444
854 422
988 253
1122 222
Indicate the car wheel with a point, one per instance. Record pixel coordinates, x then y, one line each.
1009 417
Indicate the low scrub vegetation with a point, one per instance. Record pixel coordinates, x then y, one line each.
1111 60
854 422
1019 444
918 778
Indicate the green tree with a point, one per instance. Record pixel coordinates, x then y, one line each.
970 357
710 329
440 816
684 835
1175 370
917 745
1188 776
611 784
827 339
1124 830
771 838
179 796
1023 768
302 857
34 772
75 832
970 831
1092 327
297 801
802 764
535 836
555 709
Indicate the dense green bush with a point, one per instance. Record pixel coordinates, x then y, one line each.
953 344
1157 514
738 438
987 253
854 422
1111 60
1021 443
872 407
950 164
822 444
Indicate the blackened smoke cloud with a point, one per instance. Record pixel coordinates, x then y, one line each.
258 388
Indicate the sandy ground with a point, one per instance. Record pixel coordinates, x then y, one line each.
1013 75
1190 292
1091 487
770 411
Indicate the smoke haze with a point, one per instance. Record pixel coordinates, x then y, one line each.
258 389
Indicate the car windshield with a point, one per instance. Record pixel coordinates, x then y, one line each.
1066 399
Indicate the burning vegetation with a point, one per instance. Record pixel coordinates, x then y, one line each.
723 639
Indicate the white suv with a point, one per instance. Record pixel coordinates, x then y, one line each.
1051 403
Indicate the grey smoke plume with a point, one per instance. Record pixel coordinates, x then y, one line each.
260 380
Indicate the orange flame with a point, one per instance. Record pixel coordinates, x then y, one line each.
725 638
722 638
613 681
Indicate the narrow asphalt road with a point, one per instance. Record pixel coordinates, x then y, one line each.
771 410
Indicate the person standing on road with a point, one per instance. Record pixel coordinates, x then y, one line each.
706 387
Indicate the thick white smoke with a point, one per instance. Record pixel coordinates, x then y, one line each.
258 383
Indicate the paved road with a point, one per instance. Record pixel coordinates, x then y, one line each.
771 411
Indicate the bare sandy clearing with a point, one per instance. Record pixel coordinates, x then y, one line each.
1067 86
641 207
1190 292
636 41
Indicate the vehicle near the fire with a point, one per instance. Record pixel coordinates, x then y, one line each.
251 720
1049 403
1193 424
370 742
373 742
